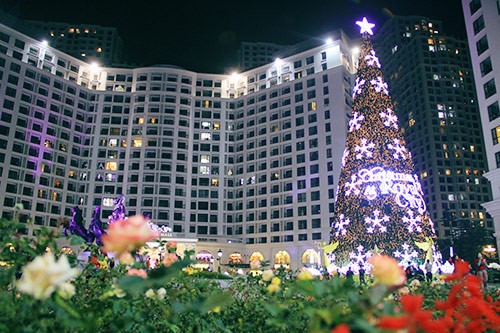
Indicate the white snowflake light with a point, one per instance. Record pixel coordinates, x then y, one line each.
376 222
355 122
372 59
390 118
370 192
399 151
412 221
340 226
364 149
406 256
357 87
380 85
360 257
352 187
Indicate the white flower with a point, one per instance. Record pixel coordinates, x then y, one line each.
161 293
267 275
44 275
66 290
494 265
150 293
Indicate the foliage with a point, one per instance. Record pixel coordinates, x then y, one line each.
177 298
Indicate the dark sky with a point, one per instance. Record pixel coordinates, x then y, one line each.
205 35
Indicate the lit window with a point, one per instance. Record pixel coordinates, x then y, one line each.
451 197
113 142
205 158
206 136
472 148
215 182
110 177
140 120
204 170
216 126
112 166
71 30
108 202
447 172
137 143
99 50
311 106
205 125
411 122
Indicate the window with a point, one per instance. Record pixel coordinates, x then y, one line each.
478 24
474 6
489 88
486 66
495 134
493 111
482 45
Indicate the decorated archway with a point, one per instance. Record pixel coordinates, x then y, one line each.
256 256
235 258
282 259
204 260
310 258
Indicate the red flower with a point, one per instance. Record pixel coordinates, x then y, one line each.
342 328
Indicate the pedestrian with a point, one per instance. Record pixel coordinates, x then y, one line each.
428 271
361 276
482 270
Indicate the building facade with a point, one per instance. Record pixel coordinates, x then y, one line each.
91 43
482 20
252 55
431 81
243 163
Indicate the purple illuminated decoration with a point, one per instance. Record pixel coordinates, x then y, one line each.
365 26
119 210
96 227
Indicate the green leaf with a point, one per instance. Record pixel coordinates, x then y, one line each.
132 285
214 300
377 293
75 240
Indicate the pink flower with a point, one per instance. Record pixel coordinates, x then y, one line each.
127 235
169 259
387 271
172 245
137 272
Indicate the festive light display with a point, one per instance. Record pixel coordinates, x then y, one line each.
379 206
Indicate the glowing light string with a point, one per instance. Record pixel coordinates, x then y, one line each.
355 122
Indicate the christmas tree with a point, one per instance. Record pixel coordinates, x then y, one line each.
379 205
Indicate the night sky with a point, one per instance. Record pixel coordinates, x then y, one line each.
205 35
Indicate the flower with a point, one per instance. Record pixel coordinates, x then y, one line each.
342 328
66 290
276 280
267 275
387 271
44 275
171 246
273 288
137 272
150 293
158 294
127 235
169 259
305 275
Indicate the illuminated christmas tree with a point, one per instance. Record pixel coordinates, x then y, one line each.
379 206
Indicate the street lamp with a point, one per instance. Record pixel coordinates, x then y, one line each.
219 256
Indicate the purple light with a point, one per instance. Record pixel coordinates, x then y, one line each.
365 26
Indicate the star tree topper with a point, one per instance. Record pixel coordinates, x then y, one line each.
365 26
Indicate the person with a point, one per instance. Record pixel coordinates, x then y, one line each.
361 276
482 270
349 274
428 271
409 273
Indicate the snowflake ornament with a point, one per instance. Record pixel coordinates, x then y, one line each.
340 226
370 192
380 85
412 221
357 87
364 149
355 122
390 118
372 59
406 256
399 151
360 256
353 186
376 222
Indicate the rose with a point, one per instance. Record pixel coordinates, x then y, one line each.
127 235
272 288
169 259
267 275
137 272
171 246
276 280
44 275
387 271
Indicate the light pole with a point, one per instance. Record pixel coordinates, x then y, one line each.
219 256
